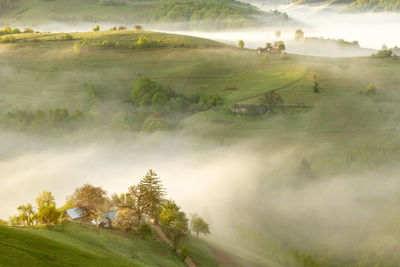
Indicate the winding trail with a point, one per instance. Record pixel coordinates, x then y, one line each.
189 262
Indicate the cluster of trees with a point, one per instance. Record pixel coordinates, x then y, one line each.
54 118
384 53
277 48
221 13
144 203
9 32
339 42
45 213
148 93
142 43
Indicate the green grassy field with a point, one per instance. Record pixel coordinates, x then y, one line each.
47 74
27 12
82 245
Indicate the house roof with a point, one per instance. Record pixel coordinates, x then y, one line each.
76 213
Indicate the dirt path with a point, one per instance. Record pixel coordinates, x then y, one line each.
222 257
189 262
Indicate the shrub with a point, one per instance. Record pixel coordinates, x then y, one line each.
28 30
68 37
121 28
152 124
185 252
241 43
145 230
97 28
371 90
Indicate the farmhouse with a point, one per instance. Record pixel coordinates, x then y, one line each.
249 109
275 48
82 214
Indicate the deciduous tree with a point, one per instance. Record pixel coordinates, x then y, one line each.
199 226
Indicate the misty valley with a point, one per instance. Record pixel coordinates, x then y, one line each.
199 133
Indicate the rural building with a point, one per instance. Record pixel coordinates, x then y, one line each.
249 109
81 214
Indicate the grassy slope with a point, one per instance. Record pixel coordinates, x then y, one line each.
38 12
48 74
26 12
80 245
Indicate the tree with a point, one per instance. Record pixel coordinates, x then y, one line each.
175 221
145 230
89 195
278 33
280 46
185 252
199 226
152 124
97 28
26 214
241 43
45 198
47 211
169 209
178 228
48 215
138 27
315 83
77 48
124 220
154 193
299 35
135 200
371 89
159 99
271 100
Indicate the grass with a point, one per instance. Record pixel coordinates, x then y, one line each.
79 246
47 74
27 12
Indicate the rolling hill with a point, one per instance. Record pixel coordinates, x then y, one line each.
202 14
350 5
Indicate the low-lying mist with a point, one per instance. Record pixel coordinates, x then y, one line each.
249 191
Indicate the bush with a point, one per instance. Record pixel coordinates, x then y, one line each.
383 53
152 124
185 252
145 230
68 37
97 28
